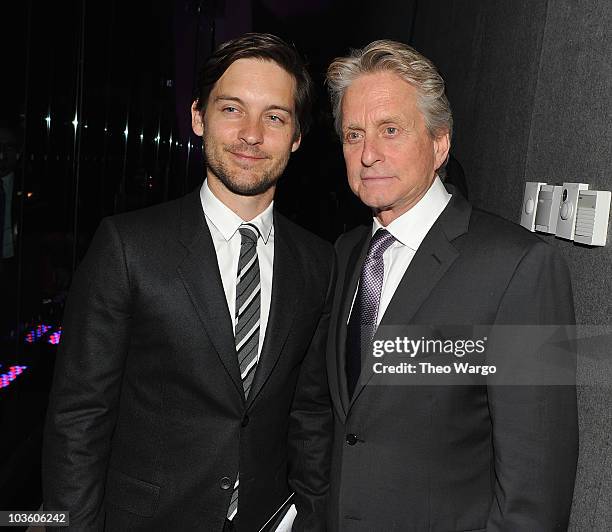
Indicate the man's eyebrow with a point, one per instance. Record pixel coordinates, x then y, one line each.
273 107
227 97
389 119
395 119
280 108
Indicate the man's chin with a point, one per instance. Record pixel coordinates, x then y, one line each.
249 192
249 187
376 203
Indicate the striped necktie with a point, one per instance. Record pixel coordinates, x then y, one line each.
248 303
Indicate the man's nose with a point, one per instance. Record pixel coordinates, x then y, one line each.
371 153
251 132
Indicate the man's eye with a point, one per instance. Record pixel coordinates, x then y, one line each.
352 136
276 119
230 109
391 130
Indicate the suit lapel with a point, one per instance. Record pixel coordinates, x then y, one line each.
351 278
426 268
199 272
431 261
287 285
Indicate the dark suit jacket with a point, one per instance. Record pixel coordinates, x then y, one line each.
147 425
449 458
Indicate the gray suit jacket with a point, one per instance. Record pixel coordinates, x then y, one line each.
450 458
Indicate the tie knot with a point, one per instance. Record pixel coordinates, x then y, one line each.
381 240
249 234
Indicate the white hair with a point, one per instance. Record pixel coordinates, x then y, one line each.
406 62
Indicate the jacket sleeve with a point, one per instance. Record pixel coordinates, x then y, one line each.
535 432
85 393
310 428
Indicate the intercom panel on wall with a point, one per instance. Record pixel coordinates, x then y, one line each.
547 213
592 217
530 204
566 222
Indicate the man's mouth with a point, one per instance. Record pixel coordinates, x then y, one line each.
247 156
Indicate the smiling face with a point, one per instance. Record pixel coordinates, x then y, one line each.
390 156
248 127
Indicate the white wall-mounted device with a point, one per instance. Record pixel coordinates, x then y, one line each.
547 213
592 217
530 204
566 223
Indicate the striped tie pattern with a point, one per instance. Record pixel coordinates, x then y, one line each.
248 304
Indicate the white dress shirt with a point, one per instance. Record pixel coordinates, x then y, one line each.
223 224
409 230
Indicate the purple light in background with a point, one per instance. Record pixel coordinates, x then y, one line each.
36 333
54 337
13 373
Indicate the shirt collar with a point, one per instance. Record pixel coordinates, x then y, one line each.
227 221
411 227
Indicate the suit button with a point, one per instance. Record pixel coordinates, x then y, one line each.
245 420
225 483
351 439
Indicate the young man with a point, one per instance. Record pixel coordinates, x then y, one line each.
190 389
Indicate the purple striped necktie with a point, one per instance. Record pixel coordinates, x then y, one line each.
362 323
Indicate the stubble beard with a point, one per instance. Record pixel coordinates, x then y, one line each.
217 163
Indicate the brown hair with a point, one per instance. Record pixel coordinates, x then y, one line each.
263 46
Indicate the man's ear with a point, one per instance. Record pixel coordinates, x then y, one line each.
296 143
441 149
197 123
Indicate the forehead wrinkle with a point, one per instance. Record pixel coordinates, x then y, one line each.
387 112
377 99
388 120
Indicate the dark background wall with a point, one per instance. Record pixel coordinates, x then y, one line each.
530 83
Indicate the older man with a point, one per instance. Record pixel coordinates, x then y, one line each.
435 457
190 390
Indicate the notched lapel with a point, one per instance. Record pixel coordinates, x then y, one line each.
351 278
199 272
431 261
433 258
287 286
